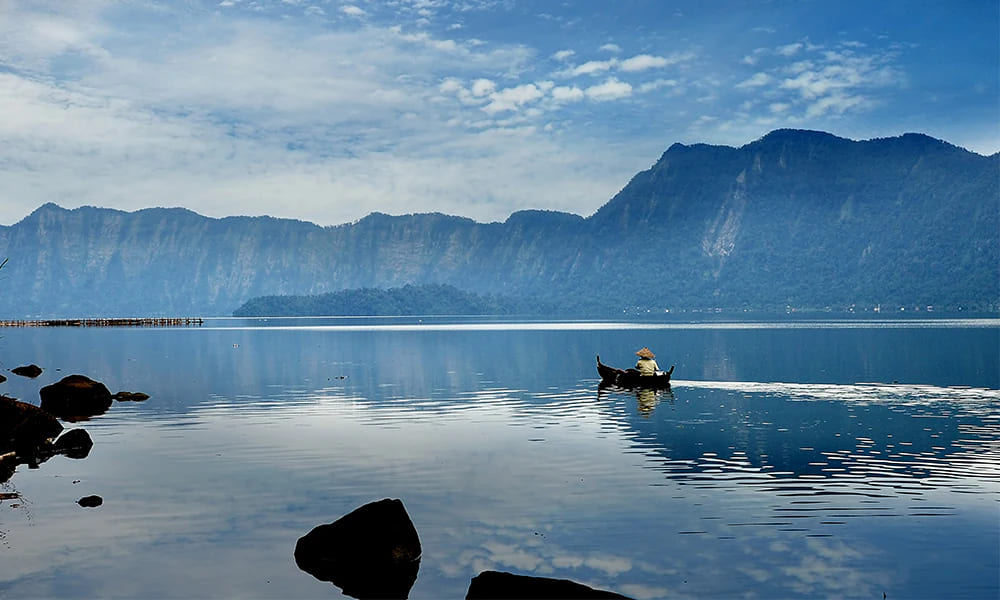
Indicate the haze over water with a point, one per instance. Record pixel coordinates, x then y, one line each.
791 459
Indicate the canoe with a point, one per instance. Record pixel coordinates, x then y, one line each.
630 378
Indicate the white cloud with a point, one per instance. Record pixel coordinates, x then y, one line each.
611 48
352 11
756 80
483 87
563 55
592 67
752 58
656 84
838 71
510 99
835 103
611 89
818 82
641 62
450 85
567 94
800 66
789 49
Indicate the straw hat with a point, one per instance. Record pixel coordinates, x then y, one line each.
645 353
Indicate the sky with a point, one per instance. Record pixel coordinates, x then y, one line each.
328 110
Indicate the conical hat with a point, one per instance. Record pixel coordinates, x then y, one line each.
645 353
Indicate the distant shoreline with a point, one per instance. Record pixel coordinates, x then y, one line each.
119 322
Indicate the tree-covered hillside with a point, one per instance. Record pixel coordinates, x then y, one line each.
431 299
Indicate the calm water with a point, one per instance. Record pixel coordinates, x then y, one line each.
827 459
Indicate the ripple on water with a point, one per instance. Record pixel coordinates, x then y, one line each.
883 467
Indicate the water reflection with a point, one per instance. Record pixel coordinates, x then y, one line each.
508 459
646 398
830 453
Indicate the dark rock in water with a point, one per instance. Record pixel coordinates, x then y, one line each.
372 552
27 371
7 467
75 443
90 501
25 428
130 396
2 379
497 584
75 397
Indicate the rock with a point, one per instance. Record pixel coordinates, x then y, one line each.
2 379
75 397
130 396
372 552
497 584
25 428
90 501
31 371
75 443
7 468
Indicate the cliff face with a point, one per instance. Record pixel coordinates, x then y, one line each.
797 217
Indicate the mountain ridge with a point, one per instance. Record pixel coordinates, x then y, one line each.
795 218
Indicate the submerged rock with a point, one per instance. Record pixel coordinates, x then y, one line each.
130 396
75 397
497 584
90 501
372 552
31 371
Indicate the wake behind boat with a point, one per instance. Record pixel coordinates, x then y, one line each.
630 378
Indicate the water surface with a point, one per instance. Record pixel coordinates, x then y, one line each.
823 458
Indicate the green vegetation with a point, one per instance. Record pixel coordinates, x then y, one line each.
431 299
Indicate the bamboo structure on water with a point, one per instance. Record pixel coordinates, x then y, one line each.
120 322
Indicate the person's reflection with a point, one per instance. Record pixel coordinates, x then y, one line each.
648 399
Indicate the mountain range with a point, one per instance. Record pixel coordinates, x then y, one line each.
799 219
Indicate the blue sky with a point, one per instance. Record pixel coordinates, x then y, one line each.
326 111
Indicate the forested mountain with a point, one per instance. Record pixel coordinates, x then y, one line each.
429 299
796 218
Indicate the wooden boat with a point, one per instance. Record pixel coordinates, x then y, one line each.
630 378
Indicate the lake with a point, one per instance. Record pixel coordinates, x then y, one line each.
795 458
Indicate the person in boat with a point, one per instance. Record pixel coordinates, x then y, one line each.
646 366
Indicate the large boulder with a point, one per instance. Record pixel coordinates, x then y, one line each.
24 428
31 371
372 552
497 585
75 397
